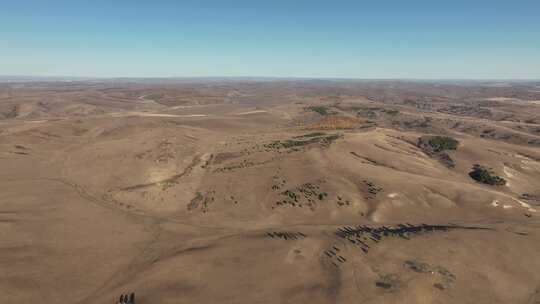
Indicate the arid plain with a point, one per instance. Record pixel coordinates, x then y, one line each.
270 191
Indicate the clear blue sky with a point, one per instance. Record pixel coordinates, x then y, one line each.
302 38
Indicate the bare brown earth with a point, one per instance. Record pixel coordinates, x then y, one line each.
236 192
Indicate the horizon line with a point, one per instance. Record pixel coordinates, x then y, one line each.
90 78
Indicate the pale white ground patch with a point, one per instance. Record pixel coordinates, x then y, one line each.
506 99
252 112
301 252
496 203
190 106
509 172
398 203
529 164
525 205
159 174
144 100
502 99
144 114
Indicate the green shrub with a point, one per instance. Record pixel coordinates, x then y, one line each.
486 176
438 143
442 143
166 184
314 134
322 110
304 140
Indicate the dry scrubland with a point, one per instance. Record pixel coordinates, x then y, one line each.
270 192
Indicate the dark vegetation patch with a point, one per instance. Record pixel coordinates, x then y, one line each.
314 134
153 96
446 277
304 140
496 133
529 129
531 198
374 112
417 266
162 153
13 113
486 176
415 124
195 202
534 120
389 282
241 165
470 111
383 284
420 104
436 147
305 195
442 143
322 110
202 201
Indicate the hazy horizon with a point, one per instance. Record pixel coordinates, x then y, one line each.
31 78
485 40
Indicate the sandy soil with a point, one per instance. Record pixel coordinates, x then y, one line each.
201 196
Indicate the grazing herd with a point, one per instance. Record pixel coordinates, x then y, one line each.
334 255
286 235
372 190
360 236
127 299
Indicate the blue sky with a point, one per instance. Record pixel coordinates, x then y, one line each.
283 38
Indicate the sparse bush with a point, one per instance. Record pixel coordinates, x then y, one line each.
367 113
331 138
336 122
166 184
304 140
153 96
486 176
195 201
392 112
442 143
322 110
314 134
438 143
435 146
